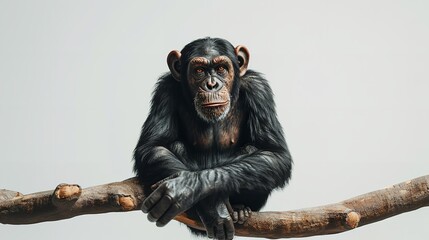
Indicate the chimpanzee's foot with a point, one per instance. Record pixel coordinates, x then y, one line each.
240 213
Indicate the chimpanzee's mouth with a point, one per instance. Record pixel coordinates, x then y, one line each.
214 104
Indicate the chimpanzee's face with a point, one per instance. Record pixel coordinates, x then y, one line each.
210 70
210 79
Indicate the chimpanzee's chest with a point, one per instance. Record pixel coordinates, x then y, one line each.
224 135
218 137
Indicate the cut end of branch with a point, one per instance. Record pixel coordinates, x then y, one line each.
353 219
67 191
126 203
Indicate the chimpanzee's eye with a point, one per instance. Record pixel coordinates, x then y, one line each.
220 70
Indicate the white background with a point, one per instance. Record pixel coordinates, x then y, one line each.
351 84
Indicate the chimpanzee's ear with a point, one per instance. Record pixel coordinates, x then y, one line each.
243 58
173 61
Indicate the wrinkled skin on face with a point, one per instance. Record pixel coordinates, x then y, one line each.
210 80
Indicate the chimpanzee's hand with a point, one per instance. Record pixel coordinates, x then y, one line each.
216 219
171 197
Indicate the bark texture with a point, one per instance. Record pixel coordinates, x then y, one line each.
70 200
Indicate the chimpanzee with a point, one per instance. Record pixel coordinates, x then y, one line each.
212 145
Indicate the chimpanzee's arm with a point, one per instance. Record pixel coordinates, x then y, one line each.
154 155
261 171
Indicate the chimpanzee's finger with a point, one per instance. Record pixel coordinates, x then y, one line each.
220 231
153 198
229 230
210 232
159 209
168 215
241 218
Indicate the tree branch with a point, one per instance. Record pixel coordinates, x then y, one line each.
70 200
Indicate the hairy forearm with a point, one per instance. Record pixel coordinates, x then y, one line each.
259 171
253 169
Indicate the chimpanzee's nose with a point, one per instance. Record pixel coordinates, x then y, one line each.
213 85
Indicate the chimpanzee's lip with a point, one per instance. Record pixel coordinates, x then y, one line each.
214 104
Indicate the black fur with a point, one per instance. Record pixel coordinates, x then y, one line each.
246 172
